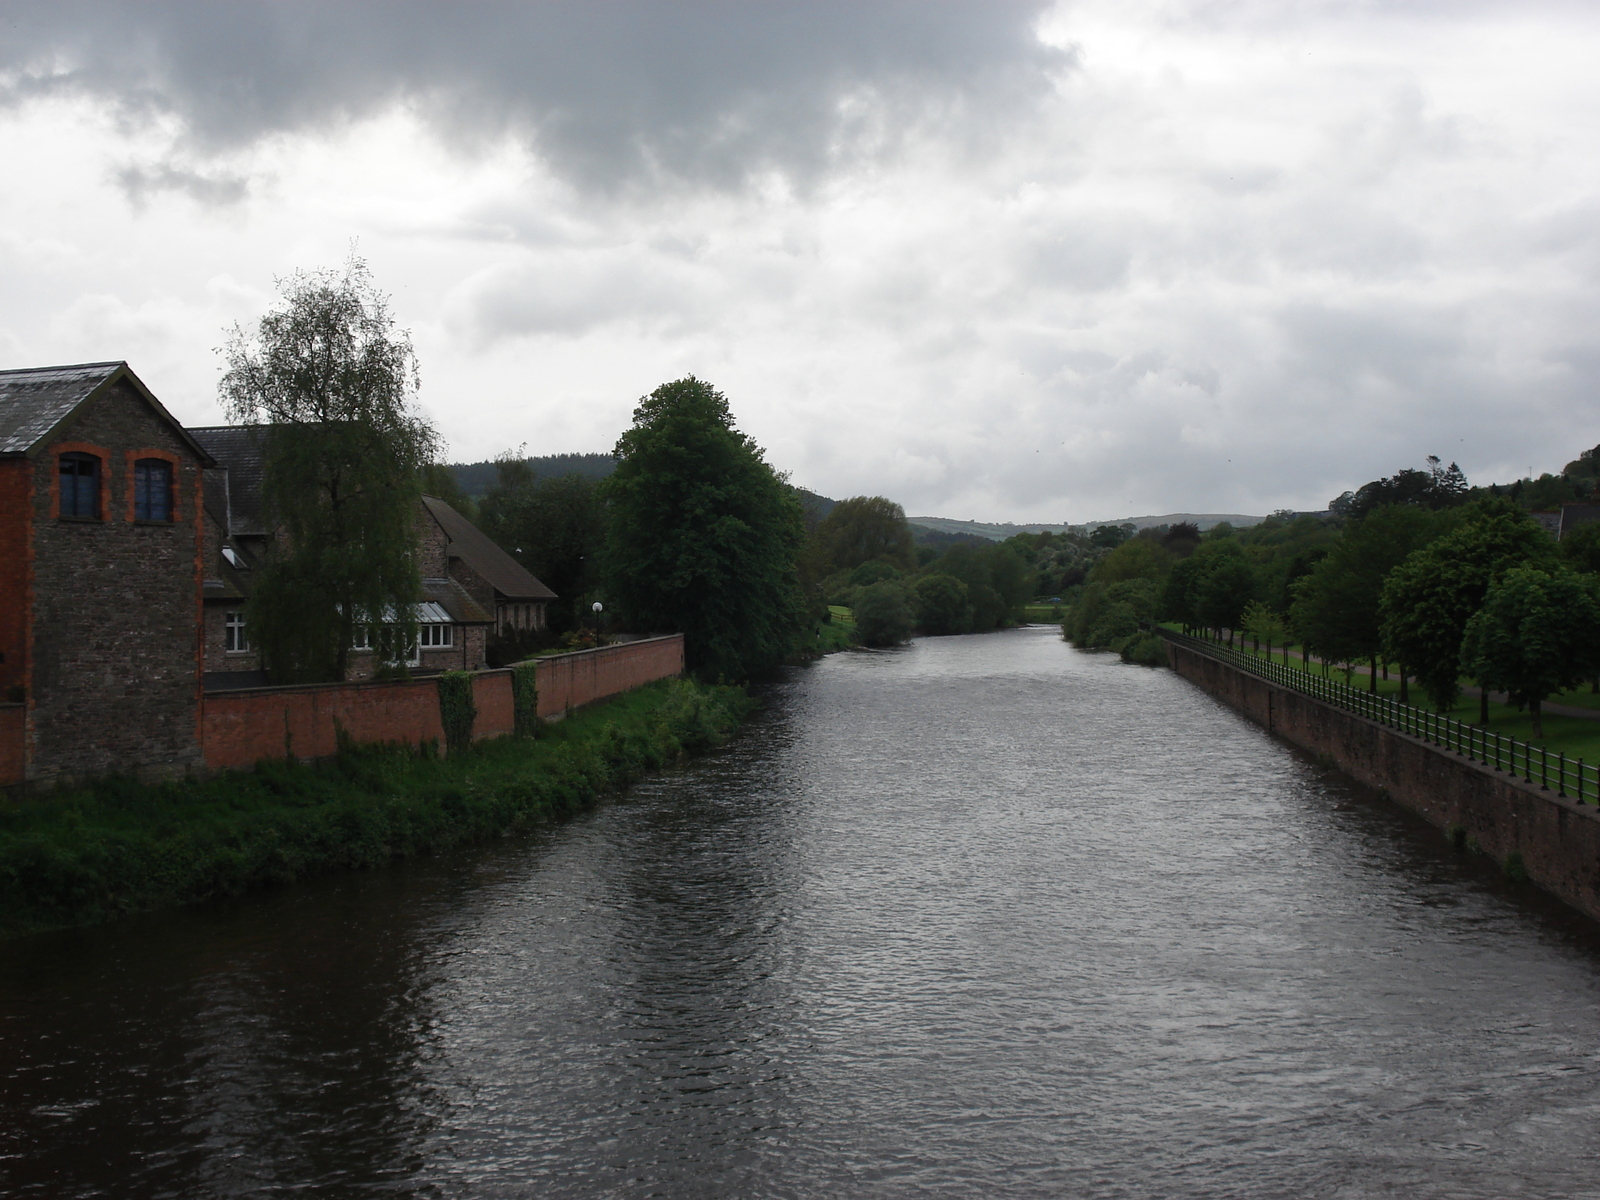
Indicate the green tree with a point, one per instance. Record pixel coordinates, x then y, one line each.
1581 548
333 384
1535 635
860 530
704 537
884 614
1338 607
554 527
1137 558
1224 593
1429 598
942 604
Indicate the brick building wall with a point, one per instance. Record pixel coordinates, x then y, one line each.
115 663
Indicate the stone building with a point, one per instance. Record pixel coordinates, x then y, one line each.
102 548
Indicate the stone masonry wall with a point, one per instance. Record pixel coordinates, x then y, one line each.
16 481
115 658
1558 839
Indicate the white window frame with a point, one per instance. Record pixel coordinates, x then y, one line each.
234 638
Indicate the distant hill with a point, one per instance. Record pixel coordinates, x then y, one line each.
999 532
475 479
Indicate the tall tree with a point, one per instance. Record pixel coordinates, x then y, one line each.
859 530
1535 635
704 535
555 527
1338 606
333 384
1429 598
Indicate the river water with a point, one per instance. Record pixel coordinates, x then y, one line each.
983 916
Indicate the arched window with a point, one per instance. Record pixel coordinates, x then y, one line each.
152 490
80 485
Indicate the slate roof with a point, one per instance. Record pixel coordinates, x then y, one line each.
457 604
472 546
240 449
34 401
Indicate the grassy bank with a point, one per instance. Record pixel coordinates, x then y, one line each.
93 853
839 633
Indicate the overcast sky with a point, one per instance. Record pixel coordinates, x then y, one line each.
995 259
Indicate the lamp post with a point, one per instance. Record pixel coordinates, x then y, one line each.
598 609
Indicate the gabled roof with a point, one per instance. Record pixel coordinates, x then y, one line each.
242 450
472 546
37 401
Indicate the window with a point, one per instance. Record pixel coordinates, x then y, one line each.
361 638
435 637
233 637
152 490
80 486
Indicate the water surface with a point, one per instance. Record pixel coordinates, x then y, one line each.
982 916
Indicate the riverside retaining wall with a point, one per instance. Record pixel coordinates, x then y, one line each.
1557 839
239 728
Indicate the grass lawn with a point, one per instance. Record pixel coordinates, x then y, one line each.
839 633
1044 614
1576 737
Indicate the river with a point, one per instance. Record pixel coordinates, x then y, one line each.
983 916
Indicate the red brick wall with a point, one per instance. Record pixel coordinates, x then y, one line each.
13 726
571 680
241 728
1559 841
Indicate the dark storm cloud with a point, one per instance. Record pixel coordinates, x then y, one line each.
611 91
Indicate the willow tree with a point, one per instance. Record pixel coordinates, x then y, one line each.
704 536
331 385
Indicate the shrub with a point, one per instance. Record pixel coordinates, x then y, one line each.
883 614
525 700
457 711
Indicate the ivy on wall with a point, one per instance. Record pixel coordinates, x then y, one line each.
525 699
457 711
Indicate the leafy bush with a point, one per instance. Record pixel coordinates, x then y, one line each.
883 614
457 710
943 606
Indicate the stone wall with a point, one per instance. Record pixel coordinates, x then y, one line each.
243 727
1557 839
16 532
115 658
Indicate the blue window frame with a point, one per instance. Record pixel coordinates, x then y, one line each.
152 490
80 486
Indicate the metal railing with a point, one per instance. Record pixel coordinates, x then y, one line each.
1567 776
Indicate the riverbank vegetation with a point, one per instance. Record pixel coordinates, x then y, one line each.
87 854
1446 583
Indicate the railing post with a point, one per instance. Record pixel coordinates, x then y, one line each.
1561 773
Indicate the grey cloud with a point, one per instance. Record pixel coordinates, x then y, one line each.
211 190
713 91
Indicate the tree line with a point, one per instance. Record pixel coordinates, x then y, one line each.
1418 572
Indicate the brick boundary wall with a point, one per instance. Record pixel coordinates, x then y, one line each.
573 680
1558 839
242 727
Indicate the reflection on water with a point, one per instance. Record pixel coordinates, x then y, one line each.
981 916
